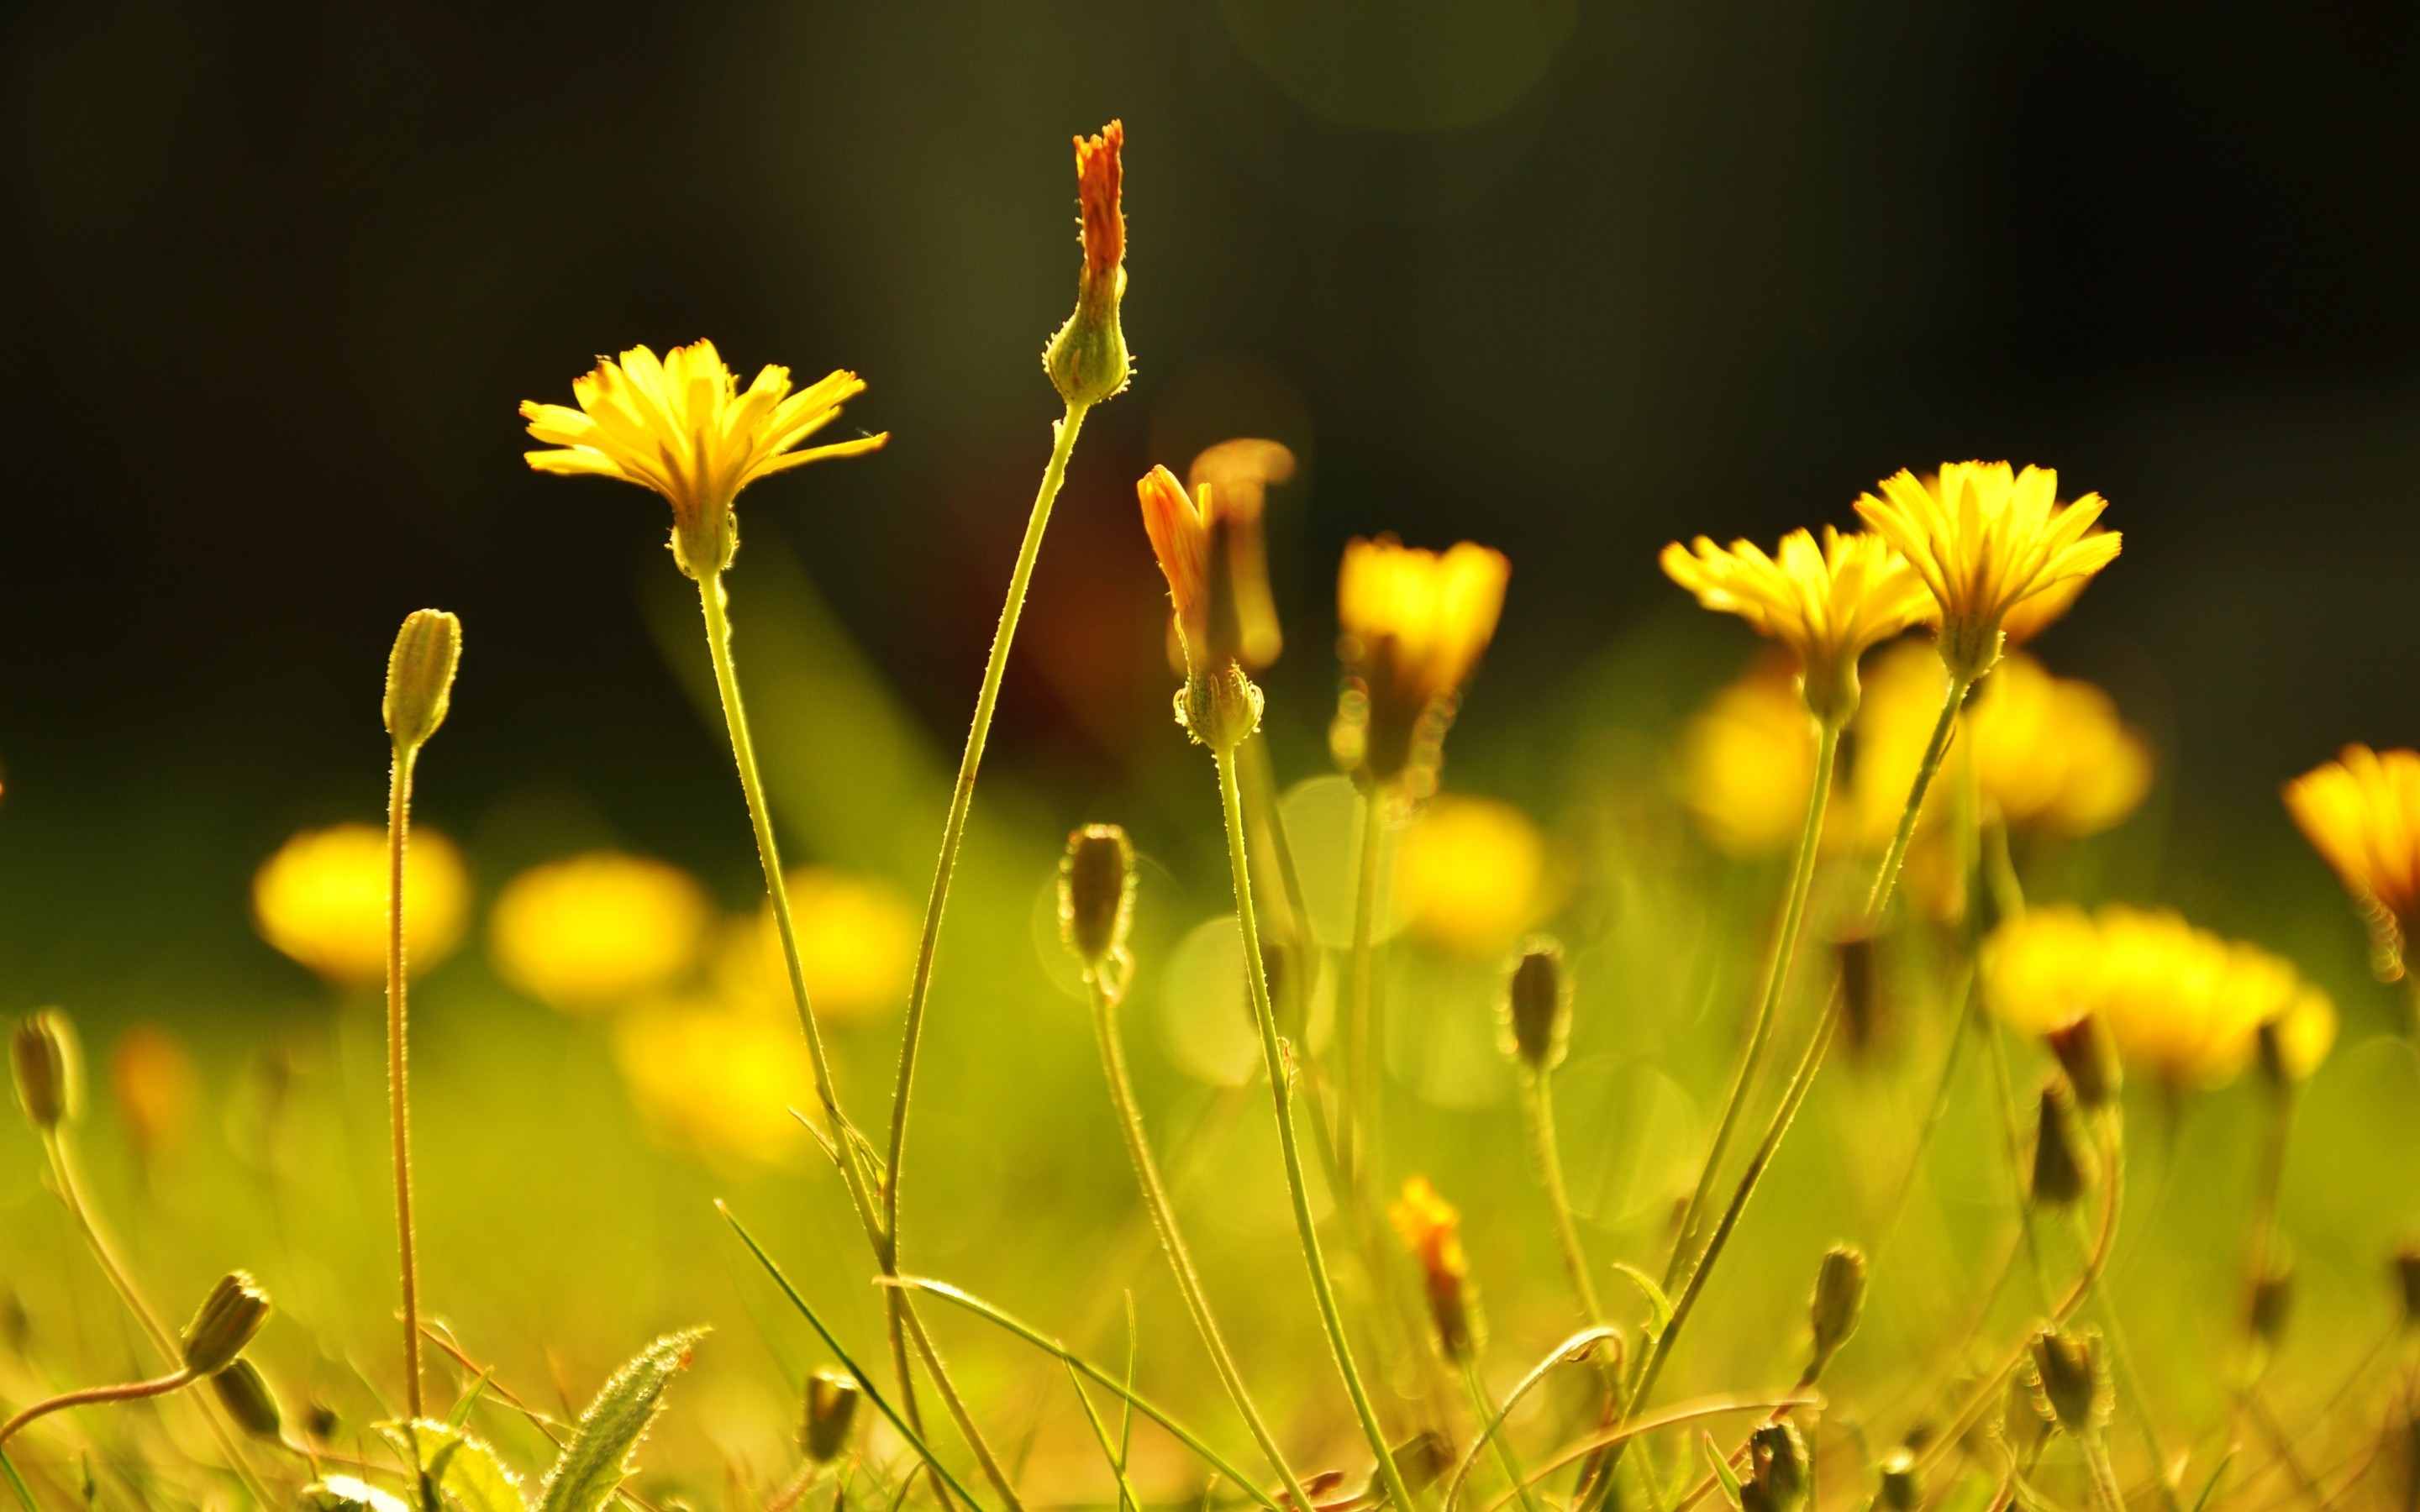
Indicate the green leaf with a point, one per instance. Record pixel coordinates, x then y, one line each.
343 1493
465 1471
1659 1306
598 1458
1723 1473
470 1396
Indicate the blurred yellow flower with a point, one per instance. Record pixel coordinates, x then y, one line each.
322 898
592 930
717 1082
1470 875
1431 1231
1827 604
2362 813
1903 692
1744 762
1414 623
857 945
152 1080
682 426
1985 538
2180 1002
1239 473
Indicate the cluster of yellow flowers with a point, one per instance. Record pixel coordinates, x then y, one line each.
2183 1004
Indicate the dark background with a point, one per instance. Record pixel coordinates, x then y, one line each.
1573 281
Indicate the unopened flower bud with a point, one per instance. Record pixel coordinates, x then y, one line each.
2272 1301
2063 1165
1538 1005
244 1393
1096 891
1861 999
49 1069
1087 360
2089 1059
2407 1280
420 676
830 1409
2069 1368
228 1317
1903 1487
1840 1300
1778 1470
1220 709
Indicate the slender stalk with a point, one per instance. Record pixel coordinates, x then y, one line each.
1776 978
1171 1239
1886 876
398 1068
1538 1106
1273 1057
89 1396
1357 1133
2104 1475
1485 1411
1589 1339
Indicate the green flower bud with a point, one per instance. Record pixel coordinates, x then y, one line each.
245 1394
2067 1366
1902 1488
1861 991
2273 1301
1538 1005
2063 1165
420 676
49 1070
1839 1298
830 1409
1778 1470
1097 892
1220 709
228 1317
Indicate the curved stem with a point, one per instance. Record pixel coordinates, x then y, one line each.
1587 1339
1615 1438
1485 1411
1273 1057
132 1391
398 1068
1776 978
1163 1219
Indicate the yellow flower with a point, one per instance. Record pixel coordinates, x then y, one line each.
1470 873
151 1076
2362 813
682 426
1827 604
1414 625
322 898
2177 1001
2054 753
717 1082
1431 1231
1744 765
857 946
1985 538
592 930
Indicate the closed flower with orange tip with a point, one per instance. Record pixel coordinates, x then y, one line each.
682 425
1985 538
1827 604
1087 360
1414 623
2362 813
1431 1231
323 900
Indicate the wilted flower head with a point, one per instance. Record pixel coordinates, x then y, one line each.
1827 604
682 425
591 931
1415 625
1087 360
1744 764
1470 875
322 898
1431 1231
1986 538
1237 473
2362 813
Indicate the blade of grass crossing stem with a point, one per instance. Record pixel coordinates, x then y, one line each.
866 1382
1126 1499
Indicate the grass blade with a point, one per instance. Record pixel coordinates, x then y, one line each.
866 1382
1127 1502
1573 1349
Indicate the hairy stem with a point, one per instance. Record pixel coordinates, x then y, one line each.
89 1396
398 1064
1538 1107
1171 1239
1273 1056
1357 1130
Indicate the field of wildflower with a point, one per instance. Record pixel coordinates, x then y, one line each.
1766 1072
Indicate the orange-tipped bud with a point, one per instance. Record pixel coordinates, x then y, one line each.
1180 539
1087 360
1431 1231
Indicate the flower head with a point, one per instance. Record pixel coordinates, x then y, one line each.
683 427
1415 625
714 1081
593 930
1238 474
857 947
1087 360
1827 603
1195 537
1431 1231
322 900
1985 539
2362 813
1470 875
1744 762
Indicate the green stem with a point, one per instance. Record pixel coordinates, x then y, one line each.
1538 1105
2104 1475
1357 1130
1273 1056
1776 978
1589 1340
89 1396
1163 1219
1485 1411
398 843
1886 877
1260 806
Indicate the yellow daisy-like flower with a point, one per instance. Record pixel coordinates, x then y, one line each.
1470 875
683 427
2362 813
323 900
597 930
1744 764
1985 539
717 1082
1825 603
1415 625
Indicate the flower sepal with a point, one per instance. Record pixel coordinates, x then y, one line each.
1220 709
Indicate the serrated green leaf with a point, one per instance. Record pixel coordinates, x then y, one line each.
1723 1473
598 1458
343 1493
466 1473
1659 1306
